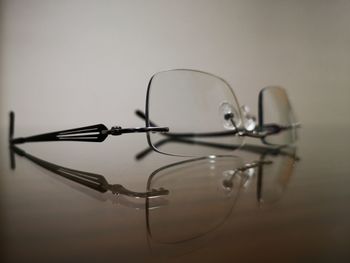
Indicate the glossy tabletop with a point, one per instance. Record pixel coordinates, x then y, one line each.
290 207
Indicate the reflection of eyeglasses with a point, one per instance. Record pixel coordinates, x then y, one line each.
196 106
198 193
94 181
203 191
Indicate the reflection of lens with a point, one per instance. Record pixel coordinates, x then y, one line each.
188 102
201 195
275 177
275 108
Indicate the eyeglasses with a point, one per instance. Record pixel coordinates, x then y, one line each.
196 107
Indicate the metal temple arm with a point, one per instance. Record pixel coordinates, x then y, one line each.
93 133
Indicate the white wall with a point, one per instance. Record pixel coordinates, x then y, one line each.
75 62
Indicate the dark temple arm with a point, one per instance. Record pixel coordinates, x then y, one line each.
93 133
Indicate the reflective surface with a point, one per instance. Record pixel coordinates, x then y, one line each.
283 207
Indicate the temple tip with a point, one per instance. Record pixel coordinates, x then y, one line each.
12 125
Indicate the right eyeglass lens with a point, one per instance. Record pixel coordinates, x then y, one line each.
200 110
275 109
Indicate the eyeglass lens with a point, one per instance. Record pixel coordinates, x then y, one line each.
275 109
193 104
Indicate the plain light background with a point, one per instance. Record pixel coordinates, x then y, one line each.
71 63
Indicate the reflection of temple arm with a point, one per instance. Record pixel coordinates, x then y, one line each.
94 181
91 180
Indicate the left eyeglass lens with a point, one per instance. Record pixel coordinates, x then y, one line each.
193 104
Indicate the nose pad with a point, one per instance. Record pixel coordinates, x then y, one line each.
231 181
249 121
229 116
227 182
